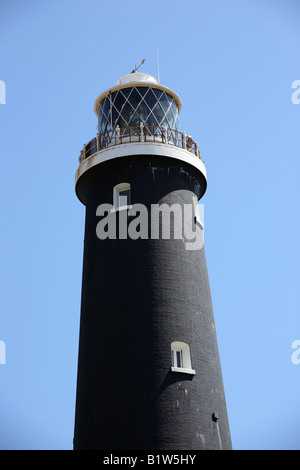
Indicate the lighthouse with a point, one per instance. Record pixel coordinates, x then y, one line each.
149 374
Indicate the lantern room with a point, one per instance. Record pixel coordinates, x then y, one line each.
137 98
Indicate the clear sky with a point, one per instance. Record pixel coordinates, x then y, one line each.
233 64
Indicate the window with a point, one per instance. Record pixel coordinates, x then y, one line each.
177 358
122 196
181 358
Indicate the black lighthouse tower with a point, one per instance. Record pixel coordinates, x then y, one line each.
149 374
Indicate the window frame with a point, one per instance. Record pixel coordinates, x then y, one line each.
181 350
118 189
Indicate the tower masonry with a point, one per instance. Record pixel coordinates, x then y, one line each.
149 374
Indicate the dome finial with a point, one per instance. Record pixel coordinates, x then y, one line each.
136 68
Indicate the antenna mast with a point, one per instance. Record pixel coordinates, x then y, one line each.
157 64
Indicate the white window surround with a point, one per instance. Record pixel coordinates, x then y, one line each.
117 197
181 358
183 370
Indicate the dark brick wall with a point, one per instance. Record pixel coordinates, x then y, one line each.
138 296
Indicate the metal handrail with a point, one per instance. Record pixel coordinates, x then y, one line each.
141 133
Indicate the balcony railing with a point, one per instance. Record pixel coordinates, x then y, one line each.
141 133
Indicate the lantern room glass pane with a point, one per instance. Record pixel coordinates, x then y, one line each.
142 90
118 101
126 92
135 120
135 98
157 93
151 99
126 115
143 111
151 121
164 102
158 113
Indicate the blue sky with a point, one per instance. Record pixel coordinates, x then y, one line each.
232 64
